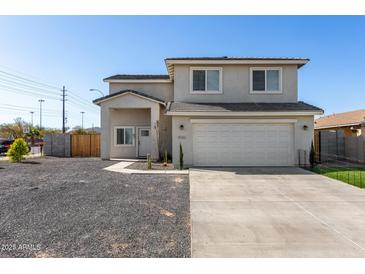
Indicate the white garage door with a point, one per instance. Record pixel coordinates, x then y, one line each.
243 144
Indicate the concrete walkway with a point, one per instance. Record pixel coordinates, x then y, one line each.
274 212
122 167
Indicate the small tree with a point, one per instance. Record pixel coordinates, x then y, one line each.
181 157
34 133
14 130
17 150
312 155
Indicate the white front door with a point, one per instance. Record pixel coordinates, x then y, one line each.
144 142
243 144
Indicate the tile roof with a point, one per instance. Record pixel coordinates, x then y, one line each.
138 77
350 118
241 107
98 100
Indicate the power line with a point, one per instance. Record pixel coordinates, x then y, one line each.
37 94
63 109
5 109
27 108
26 92
73 94
29 80
76 98
15 83
90 107
7 81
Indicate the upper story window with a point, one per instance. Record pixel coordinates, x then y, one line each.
266 80
206 80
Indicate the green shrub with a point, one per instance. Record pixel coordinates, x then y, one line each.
17 150
181 156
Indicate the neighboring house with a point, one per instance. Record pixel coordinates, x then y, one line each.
223 111
348 122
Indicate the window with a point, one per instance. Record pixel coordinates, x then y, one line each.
206 80
266 80
124 136
145 132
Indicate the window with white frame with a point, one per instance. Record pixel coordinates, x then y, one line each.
266 80
206 80
124 136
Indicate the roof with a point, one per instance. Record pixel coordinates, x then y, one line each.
138 77
241 107
237 58
349 118
204 60
128 91
170 62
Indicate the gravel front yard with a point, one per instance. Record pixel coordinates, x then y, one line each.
155 166
71 207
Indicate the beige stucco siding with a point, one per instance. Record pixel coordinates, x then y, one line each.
128 110
163 91
236 86
165 140
127 117
302 138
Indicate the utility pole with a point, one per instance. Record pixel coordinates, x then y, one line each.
40 112
63 109
31 113
82 119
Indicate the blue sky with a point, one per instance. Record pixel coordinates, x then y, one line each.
80 51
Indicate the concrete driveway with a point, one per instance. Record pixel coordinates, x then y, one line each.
274 212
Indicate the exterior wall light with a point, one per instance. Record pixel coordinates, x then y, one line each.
181 127
305 127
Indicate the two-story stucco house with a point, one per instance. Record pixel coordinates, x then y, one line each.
223 111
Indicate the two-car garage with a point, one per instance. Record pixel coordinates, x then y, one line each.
242 144
243 133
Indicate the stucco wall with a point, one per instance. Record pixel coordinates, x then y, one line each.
129 110
165 133
131 105
302 138
127 117
163 91
236 86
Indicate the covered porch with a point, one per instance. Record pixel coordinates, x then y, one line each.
130 125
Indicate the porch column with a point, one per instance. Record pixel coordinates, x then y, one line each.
105 133
155 116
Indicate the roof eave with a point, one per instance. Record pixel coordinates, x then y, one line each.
100 100
171 62
244 113
137 80
338 125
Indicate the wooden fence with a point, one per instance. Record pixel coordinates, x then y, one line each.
85 145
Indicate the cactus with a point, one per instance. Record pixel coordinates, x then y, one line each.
149 161
165 157
181 157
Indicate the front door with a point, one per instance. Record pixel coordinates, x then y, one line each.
144 142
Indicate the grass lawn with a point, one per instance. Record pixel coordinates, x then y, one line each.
351 175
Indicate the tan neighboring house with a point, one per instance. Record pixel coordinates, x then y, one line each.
223 111
350 123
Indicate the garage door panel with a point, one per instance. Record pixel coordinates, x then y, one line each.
243 144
